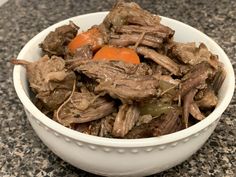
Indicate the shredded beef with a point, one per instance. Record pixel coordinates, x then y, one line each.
209 99
125 120
110 70
107 124
56 41
189 53
195 78
49 79
130 89
129 13
124 40
160 59
163 125
84 107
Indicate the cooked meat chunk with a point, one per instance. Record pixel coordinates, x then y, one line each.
83 53
195 78
86 83
133 25
53 99
125 120
218 79
56 41
84 107
209 100
101 70
157 31
83 128
130 89
168 79
160 59
150 36
102 127
100 108
124 40
107 126
109 70
189 53
187 101
49 79
163 125
129 13
156 69
47 74
91 128
142 70
195 111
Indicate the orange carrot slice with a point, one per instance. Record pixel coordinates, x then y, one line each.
121 54
91 37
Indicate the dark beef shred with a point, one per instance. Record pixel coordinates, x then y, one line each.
163 125
130 89
56 41
125 120
109 70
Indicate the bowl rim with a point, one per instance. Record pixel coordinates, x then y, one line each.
113 142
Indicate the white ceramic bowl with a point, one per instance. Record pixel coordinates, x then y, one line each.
120 157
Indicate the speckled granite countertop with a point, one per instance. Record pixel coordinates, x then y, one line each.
21 151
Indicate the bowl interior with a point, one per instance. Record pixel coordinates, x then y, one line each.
183 33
